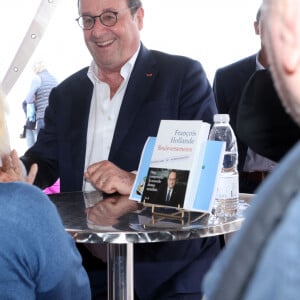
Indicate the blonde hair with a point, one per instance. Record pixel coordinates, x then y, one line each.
38 67
4 137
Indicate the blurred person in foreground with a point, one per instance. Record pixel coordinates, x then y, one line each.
262 260
38 258
97 123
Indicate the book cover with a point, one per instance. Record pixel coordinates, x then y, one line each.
144 164
211 169
156 171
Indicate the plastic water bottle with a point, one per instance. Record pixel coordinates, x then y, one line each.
227 194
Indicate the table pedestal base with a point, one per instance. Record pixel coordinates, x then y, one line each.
120 272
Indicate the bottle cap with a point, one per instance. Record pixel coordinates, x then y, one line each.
221 118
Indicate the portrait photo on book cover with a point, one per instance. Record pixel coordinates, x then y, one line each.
165 187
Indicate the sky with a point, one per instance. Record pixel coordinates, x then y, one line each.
215 32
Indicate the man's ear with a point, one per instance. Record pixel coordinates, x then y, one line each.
256 27
290 39
140 17
290 51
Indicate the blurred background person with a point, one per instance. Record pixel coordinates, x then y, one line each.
228 86
41 85
36 102
29 129
263 257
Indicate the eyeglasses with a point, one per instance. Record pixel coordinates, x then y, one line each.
107 18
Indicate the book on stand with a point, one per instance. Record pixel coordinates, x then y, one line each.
180 167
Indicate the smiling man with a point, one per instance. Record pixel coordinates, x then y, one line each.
98 120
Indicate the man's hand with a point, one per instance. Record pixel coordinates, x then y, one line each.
11 169
108 178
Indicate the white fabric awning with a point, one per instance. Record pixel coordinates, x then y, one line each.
30 41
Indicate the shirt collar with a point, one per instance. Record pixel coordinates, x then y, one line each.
259 66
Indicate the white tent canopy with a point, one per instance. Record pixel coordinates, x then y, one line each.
30 41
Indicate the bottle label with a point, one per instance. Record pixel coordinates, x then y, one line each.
227 195
228 186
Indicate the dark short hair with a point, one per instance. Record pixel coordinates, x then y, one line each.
134 4
258 14
172 171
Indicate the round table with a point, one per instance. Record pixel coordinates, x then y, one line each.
120 222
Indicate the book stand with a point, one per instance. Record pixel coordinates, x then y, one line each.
176 213
172 217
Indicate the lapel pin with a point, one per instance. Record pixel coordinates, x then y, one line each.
149 74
